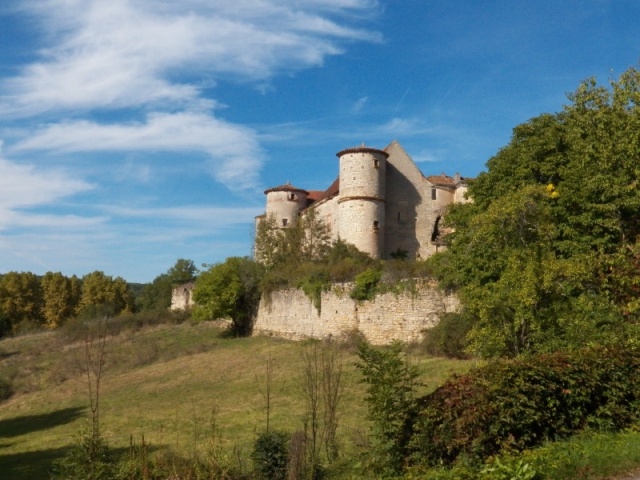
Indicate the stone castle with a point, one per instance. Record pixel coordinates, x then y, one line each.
383 204
380 202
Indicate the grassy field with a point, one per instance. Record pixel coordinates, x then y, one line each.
166 383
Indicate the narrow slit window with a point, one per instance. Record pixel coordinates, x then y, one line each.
434 195
285 221
376 225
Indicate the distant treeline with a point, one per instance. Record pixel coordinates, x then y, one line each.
29 302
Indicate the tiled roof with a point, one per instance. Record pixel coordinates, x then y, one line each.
317 195
443 180
314 195
333 189
287 187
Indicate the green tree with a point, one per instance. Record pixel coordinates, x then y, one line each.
544 257
157 294
391 382
183 271
308 240
60 298
229 290
105 295
21 300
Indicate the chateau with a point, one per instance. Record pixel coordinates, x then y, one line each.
383 204
380 202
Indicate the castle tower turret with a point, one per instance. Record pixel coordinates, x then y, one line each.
284 202
361 202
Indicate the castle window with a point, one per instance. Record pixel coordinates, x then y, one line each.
285 221
376 225
376 163
434 195
292 197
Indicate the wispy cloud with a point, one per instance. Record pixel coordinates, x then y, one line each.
123 53
359 105
234 149
25 186
131 79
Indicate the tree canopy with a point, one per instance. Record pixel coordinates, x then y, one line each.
229 290
547 255
157 294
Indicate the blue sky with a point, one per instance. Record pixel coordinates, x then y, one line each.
137 132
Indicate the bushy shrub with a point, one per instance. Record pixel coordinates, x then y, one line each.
271 455
449 337
518 404
365 284
6 389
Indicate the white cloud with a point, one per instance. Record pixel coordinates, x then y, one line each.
123 53
26 186
120 55
359 105
234 149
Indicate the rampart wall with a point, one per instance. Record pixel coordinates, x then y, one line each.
291 314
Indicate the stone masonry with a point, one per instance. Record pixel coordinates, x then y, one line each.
291 314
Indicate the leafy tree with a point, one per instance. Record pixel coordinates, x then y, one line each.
183 271
157 295
308 240
102 292
21 300
60 297
546 254
229 290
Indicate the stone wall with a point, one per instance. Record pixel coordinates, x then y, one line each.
290 314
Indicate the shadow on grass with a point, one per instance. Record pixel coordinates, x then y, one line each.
14 427
29 465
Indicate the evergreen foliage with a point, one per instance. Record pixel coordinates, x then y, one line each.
271 455
390 381
88 459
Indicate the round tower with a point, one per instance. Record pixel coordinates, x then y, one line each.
284 203
361 207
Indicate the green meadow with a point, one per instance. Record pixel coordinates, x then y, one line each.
169 384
